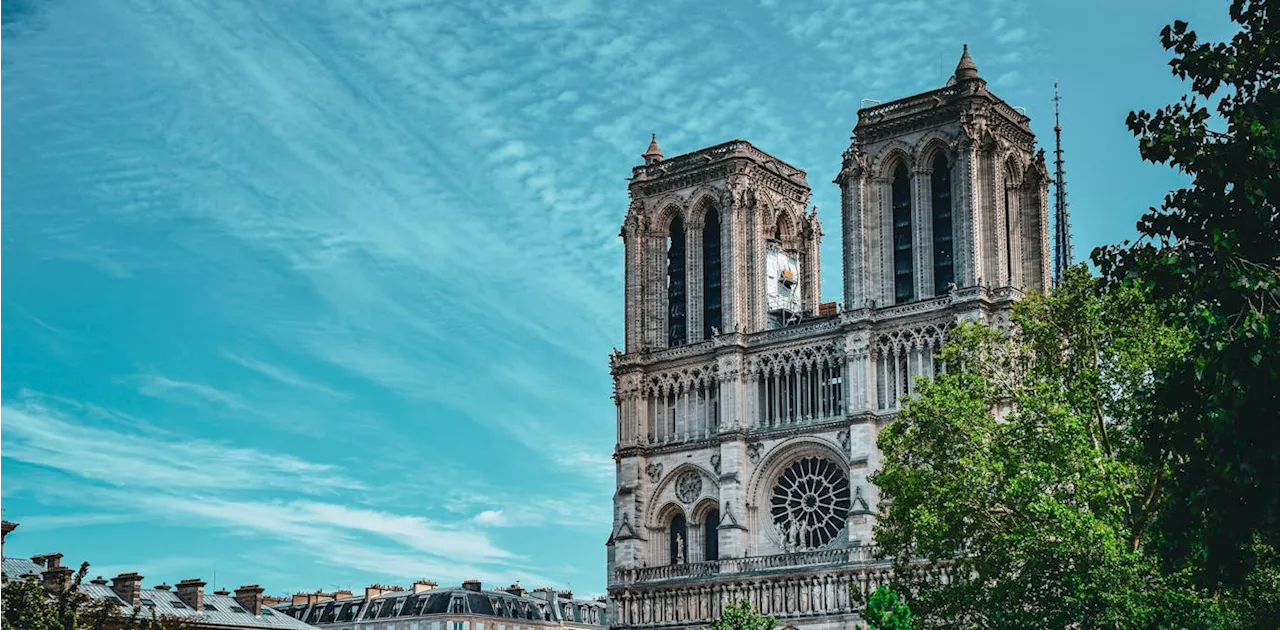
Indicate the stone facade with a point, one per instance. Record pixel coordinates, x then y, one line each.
744 450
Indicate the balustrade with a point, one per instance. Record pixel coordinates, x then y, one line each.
821 585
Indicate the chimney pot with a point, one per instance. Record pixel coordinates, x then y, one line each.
250 598
342 594
98 580
191 592
424 585
129 587
56 579
516 589
472 585
222 591
163 586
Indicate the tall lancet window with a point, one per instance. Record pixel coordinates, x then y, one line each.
711 536
903 272
675 285
678 539
943 247
711 318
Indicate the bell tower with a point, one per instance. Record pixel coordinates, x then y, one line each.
717 240
944 190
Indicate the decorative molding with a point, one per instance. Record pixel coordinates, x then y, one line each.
654 471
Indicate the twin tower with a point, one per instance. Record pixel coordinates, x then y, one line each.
747 412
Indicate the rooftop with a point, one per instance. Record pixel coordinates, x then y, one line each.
219 610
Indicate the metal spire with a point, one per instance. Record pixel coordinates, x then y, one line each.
1062 220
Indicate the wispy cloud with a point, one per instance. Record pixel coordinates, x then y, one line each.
151 457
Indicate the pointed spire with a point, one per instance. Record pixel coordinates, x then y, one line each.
966 70
1061 216
653 153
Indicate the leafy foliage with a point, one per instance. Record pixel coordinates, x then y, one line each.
28 606
1210 258
886 611
740 616
1017 467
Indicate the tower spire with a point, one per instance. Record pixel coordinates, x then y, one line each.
653 153
1061 219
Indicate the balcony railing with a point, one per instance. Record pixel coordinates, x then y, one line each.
861 554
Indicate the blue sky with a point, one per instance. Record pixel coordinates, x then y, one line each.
318 294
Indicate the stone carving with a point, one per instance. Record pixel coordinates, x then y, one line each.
655 471
715 463
844 439
688 486
754 450
679 549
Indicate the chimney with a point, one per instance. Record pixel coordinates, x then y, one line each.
99 581
472 585
342 594
516 589
163 586
250 598
222 591
565 594
191 592
373 590
424 585
5 528
129 587
48 561
57 579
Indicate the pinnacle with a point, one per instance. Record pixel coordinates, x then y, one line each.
966 69
654 152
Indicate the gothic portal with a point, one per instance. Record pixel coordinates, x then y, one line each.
747 411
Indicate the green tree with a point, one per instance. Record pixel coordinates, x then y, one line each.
887 611
29 606
1209 257
740 616
1017 467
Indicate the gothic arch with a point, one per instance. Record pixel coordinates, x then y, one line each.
668 209
660 496
781 456
782 220
664 514
703 198
930 146
888 158
698 513
1012 171
785 459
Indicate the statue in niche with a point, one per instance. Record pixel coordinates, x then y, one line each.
679 549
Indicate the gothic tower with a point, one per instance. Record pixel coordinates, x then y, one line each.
747 413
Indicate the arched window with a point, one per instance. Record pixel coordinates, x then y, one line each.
675 285
943 247
710 535
711 274
903 270
678 537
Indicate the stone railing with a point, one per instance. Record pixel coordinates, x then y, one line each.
902 107
786 591
691 161
861 554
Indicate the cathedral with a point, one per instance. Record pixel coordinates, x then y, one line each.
747 411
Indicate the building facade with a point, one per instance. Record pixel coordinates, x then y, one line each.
747 412
426 606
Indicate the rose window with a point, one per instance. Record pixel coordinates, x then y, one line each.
688 486
810 503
